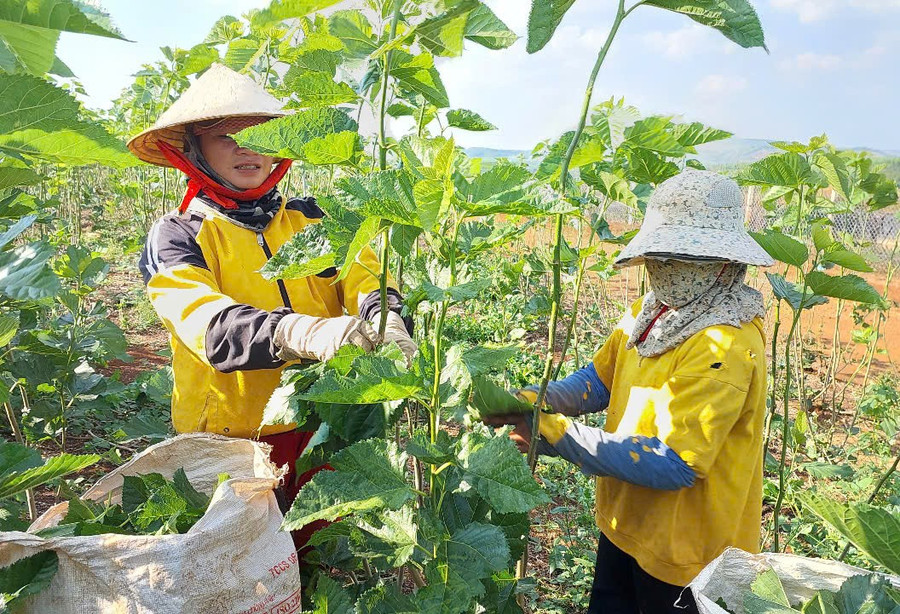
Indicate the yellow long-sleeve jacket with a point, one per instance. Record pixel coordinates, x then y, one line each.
201 269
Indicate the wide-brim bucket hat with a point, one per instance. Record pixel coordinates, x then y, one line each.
695 215
217 94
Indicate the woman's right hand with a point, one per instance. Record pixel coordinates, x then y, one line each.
300 336
521 433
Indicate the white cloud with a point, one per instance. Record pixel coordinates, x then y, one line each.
817 10
809 61
679 44
717 86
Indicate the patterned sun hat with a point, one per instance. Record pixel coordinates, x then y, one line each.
695 214
218 93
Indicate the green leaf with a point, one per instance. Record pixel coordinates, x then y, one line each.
60 15
9 326
369 475
355 31
443 34
455 294
792 293
501 476
644 166
757 605
446 592
489 399
12 176
847 287
695 133
768 586
836 173
789 170
16 229
610 185
486 29
477 550
318 89
368 230
502 184
330 597
373 379
829 471
340 148
27 48
243 53
287 137
199 58
279 10
543 20
418 74
873 530
396 537
436 453
847 259
27 576
653 133
225 30
308 252
821 235
43 120
55 467
385 599
24 274
782 247
468 120
16 458
735 19
821 603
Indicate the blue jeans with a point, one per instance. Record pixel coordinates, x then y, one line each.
622 587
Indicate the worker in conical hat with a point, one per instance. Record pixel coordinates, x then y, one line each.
232 331
682 378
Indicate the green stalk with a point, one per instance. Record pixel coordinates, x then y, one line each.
382 165
621 13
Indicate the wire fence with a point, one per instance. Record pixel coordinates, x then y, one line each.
873 234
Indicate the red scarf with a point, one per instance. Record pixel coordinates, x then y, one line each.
198 180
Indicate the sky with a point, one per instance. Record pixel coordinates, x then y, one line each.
833 66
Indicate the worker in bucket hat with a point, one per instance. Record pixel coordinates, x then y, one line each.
682 378
231 330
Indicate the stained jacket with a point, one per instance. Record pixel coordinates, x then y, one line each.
680 464
201 269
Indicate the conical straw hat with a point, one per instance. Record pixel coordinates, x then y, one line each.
219 93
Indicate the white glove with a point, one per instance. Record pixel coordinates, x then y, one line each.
396 331
300 336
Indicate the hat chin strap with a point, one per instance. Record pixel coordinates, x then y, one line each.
198 180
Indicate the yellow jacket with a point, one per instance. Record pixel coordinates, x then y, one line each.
202 274
706 401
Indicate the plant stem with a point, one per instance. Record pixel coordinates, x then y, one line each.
385 78
773 397
621 13
383 278
17 433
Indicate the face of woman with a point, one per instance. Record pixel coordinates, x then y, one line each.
677 282
242 167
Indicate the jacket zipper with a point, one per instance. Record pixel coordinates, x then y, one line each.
281 287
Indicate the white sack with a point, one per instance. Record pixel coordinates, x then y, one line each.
234 560
729 578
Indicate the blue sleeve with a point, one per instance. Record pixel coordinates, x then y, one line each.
581 393
644 461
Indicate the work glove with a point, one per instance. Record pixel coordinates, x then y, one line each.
396 331
580 393
300 336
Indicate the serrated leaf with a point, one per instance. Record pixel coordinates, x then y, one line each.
373 379
489 399
757 605
225 30
287 137
16 458
477 550
446 592
788 170
340 148
468 120
355 32
330 597
695 133
614 187
385 599
486 29
653 134
768 586
367 231
318 89
836 173
782 247
873 530
499 473
847 259
55 467
59 15
735 19
280 10
828 471
543 20
369 475
27 576
436 453
418 74
644 166
443 34
308 252
397 536
847 287
791 293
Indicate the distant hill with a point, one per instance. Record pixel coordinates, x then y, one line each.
728 153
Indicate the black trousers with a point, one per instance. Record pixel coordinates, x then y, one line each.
622 587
